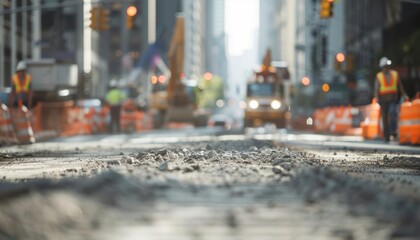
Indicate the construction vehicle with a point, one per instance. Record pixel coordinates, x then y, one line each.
180 100
169 96
180 107
264 97
53 81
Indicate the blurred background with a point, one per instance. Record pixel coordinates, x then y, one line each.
325 52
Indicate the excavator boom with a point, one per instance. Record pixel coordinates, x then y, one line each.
176 59
180 107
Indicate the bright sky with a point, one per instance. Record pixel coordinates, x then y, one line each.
242 18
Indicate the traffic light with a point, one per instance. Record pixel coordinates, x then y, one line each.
131 17
340 57
305 81
326 10
325 87
94 15
338 61
103 19
99 18
350 63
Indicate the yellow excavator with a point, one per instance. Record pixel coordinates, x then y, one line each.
176 105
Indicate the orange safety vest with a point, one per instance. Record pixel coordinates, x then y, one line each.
22 86
385 86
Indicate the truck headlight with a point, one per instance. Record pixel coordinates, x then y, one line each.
275 104
63 93
254 104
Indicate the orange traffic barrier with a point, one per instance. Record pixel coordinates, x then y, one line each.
36 118
319 119
7 132
343 119
179 125
128 121
409 122
22 125
371 127
132 120
330 120
89 125
135 121
415 126
74 122
100 120
324 119
128 118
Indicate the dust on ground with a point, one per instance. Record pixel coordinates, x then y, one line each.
215 190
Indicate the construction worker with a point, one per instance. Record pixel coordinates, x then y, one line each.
21 94
115 97
387 88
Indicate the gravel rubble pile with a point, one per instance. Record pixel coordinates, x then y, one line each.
243 185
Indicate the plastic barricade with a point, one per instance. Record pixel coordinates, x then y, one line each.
74 122
371 127
343 120
330 120
319 119
89 125
415 126
7 132
36 118
100 120
409 122
22 125
128 121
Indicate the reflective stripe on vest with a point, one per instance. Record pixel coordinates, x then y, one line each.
384 86
22 86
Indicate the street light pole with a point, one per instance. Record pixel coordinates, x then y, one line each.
124 39
13 38
24 30
36 30
151 4
1 48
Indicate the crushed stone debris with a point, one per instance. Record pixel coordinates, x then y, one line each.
250 175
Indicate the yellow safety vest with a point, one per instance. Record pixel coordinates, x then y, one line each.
388 87
115 97
22 86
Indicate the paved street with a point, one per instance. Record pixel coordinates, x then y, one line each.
210 184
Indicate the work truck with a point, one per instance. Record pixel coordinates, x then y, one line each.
53 81
264 97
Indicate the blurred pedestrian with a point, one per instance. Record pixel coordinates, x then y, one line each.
21 94
387 88
115 97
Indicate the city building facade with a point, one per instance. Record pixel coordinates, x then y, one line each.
16 39
215 39
194 15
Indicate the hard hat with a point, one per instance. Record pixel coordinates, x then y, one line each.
384 61
21 66
113 83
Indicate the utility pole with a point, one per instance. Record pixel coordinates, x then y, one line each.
124 38
13 38
24 30
151 4
2 75
36 29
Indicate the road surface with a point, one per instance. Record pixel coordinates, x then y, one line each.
210 184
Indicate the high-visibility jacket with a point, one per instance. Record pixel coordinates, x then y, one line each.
22 84
388 86
115 97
